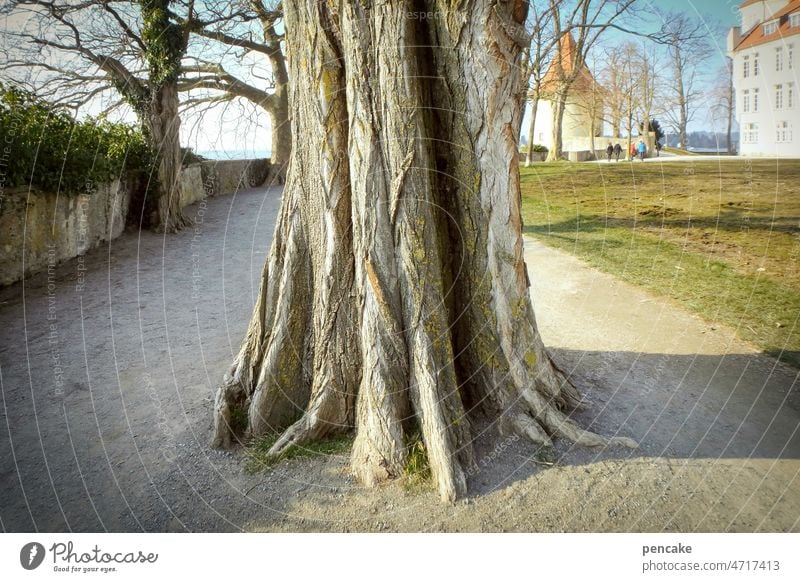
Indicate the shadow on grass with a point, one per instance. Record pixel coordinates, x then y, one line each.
762 309
732 220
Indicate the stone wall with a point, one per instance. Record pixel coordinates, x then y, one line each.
51 228
215 177
41 229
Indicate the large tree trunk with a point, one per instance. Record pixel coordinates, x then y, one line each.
279 113
163 126
164 44
395 296
281 140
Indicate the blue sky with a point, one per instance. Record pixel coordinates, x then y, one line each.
713 12
220 133
719 16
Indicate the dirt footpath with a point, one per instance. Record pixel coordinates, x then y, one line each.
108 370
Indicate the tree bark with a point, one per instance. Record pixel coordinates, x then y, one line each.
395 296
279 112
281 137
164 44
163 127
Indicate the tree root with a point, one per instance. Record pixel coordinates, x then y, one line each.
396 296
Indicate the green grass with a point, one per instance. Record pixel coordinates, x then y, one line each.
257 459
722 238
238 419
678 151
417 473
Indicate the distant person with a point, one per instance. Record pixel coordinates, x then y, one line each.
641 148
609 151
617 150
632 151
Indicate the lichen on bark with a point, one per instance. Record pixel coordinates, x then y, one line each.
395 296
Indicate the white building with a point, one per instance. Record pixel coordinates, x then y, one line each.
765 50
583 113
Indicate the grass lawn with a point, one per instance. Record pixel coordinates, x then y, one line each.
720 237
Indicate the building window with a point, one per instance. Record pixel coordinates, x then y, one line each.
746 67
755 100
790 95
779 58
794 19
746 101
778 96
755 65
790 56
783 132
770 27
750 133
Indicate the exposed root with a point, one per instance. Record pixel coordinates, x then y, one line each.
396 288
549 379
379 449
297 434
225 402
524 425
559 424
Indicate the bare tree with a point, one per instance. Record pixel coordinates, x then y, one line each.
630 83
536 59
588 19
724 102
84 49
391 300
625 76
613 82
648 84
592 103
216 37
230 33
688 48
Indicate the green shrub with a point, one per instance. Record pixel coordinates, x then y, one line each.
45 147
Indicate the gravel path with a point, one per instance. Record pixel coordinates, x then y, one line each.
108 367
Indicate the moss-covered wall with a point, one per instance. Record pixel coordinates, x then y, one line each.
40 229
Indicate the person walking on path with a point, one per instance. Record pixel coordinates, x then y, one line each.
609 151
617 150
641 148
632 151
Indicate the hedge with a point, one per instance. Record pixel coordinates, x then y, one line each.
43 146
